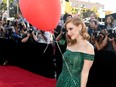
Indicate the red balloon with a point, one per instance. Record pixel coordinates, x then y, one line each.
43 14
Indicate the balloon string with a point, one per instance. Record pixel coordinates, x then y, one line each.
45 48
65 62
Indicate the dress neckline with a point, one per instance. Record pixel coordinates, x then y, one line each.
79 52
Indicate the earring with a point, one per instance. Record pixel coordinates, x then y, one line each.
80 32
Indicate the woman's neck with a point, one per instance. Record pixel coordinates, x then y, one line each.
79 40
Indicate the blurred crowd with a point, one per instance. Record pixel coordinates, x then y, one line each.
102 36
21 29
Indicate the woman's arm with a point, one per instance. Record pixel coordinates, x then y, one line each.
105 41
113 43
25 39
85 72
34 36
86 66
98 46
102 44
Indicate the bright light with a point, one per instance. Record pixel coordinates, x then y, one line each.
108 4
0 1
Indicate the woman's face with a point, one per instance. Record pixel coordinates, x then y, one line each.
108 20
92 24
73 31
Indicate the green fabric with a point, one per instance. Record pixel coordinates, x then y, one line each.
75 61
61 41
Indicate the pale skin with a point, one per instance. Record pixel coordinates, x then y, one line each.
28 35
82 45
104 43
113 43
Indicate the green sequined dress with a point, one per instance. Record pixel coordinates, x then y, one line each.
74 60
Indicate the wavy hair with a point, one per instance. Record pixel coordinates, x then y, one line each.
112 20
84 33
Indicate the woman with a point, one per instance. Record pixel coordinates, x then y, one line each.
79 55
110 25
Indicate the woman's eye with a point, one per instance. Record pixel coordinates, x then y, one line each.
70 28
66 31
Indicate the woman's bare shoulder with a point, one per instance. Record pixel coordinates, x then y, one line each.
90 48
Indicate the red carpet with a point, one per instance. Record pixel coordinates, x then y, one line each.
12 76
